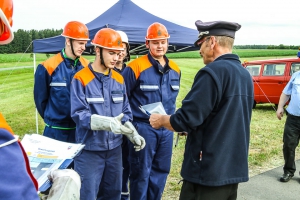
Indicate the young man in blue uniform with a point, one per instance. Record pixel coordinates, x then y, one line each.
52 83
17 181
149 79
216 113
291 133
100 108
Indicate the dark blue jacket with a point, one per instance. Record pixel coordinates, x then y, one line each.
216 113
96 93
147 82
52 89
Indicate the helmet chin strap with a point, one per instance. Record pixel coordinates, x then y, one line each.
72 49
101 58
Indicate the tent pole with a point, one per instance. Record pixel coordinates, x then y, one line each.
36 113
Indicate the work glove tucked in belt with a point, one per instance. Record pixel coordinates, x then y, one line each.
137 140
112 124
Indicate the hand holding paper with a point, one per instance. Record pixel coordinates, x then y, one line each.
157 121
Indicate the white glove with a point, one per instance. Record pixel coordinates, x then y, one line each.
137 140
66 185
112 124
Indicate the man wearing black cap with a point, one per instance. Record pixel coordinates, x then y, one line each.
216 113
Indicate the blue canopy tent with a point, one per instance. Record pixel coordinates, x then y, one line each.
134 21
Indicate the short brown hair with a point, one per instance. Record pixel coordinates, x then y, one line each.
225 41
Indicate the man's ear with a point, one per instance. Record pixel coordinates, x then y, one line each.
68 41
213 43
97 50
147 44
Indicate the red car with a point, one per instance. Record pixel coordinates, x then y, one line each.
270 77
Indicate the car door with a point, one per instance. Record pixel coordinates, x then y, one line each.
255 71
272 82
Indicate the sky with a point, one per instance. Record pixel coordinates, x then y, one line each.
264 22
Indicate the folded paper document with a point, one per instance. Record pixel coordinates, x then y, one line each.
46 154
155 108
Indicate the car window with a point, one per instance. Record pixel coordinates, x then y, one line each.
294 68
253 69
273 70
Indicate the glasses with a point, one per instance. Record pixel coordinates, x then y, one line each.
203 40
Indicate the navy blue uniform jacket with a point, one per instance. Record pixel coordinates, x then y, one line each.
217 113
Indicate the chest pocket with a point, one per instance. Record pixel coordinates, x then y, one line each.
59 93
149 87
175 87
175 84
94 99
117 98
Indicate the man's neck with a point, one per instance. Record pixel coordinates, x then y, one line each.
160 59
99 68
69 53
119 65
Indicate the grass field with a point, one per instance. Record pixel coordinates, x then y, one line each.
17 106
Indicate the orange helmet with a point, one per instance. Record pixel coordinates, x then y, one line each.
6 12
76 30
157 31
108 39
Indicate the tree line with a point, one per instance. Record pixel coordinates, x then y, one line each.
23 39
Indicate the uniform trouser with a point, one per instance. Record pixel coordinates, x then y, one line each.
100 171
126 167
150 167
192 191
291 137
60 134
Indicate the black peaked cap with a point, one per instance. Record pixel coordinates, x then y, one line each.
216 28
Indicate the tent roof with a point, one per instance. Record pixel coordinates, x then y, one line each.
134 21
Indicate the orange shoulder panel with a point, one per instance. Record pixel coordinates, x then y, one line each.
51 63
4 125
85 62
139 65
84 76
118 77
174 66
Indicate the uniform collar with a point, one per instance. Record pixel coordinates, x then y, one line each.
72 61
157 65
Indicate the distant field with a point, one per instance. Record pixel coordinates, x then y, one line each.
27 59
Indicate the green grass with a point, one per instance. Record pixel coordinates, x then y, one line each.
17 106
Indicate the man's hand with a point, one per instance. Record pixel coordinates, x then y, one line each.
137 140
279 112
112 124
156 121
